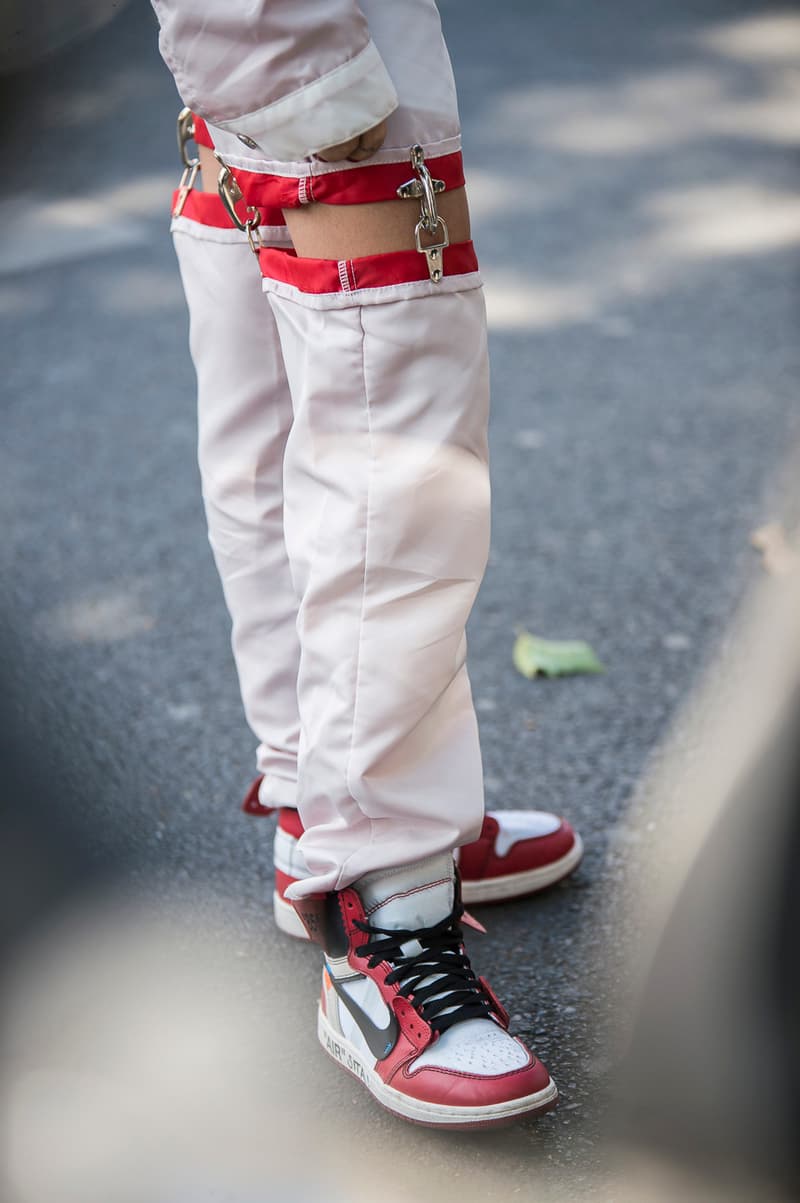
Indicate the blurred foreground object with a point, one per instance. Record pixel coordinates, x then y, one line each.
778 557
710 1093
31 32
148 1059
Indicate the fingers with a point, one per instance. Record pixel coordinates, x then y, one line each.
343 150
361 153
357 149
369 143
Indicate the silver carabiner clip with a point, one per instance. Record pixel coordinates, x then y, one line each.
230 194
433 250
424 188
191 166
185 187
186 135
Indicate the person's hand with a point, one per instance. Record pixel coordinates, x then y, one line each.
357 149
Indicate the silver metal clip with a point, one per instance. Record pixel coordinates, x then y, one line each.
191 165
230 194
185 187
424 189
186 135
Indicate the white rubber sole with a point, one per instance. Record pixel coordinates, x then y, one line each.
518 885
432 1115
492 889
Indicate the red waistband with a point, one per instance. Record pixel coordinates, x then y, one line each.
354 186
369 271
207 209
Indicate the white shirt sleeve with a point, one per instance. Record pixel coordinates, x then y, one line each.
288 77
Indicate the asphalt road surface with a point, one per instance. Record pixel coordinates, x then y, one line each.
635 211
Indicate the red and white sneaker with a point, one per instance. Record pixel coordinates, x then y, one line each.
517 853
402 1010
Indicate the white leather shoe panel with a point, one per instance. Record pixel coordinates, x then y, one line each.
410 896
516 825
477 1046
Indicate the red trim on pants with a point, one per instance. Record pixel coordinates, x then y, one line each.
369 271
354 186
367 183
207 209
201 135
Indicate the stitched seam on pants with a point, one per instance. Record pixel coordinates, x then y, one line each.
367 517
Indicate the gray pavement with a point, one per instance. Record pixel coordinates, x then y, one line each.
635 211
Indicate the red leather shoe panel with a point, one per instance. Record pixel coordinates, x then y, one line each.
474 1090
531 854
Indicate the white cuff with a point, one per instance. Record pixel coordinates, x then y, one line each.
352 98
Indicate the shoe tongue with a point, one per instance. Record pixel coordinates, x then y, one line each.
418 895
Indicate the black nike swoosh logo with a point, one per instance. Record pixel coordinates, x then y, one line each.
380 1041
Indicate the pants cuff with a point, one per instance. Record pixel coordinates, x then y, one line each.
277 791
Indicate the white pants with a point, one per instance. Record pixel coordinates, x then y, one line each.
342 446
244 414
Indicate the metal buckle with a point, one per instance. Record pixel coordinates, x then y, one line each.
185 135
433 250
191 165
230 194
185 186
424 188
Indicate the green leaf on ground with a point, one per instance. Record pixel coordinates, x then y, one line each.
534 657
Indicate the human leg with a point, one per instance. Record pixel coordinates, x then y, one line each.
442 1092
242 394
386 511
244 415
386 519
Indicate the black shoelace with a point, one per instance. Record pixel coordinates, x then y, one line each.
454 989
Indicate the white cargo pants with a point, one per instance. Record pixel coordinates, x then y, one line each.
342 446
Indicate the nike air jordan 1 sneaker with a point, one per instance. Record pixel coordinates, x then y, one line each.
402 1010
517 853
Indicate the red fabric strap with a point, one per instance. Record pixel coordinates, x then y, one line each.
353 186
207 209
201 135
356 186
370 271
